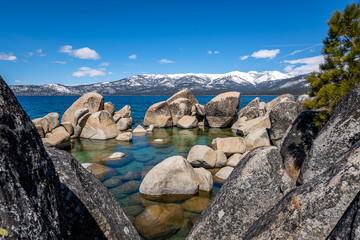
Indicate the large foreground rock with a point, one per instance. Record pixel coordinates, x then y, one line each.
100 125
93 195
94 102
338 135
172 179
312 211
221 110
35 203
349 225
297 142
254 187
159 115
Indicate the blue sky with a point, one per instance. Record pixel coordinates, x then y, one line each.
75 42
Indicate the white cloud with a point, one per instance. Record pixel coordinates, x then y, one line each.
165 61
295 52
265 53
59 62
86 71
244 57
42 55
308 65
132 57
110 73
104 64
39 51
30 54
7 57
213 52
83 53
17 81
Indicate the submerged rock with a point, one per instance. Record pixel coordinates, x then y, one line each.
172 179
160 221
126 137
255 185
222 110
196 204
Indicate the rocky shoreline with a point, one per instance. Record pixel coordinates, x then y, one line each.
284 177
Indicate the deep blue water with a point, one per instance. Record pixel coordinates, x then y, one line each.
39 106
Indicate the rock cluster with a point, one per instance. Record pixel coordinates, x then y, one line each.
88 117
184 111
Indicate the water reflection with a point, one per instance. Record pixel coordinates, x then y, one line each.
122 176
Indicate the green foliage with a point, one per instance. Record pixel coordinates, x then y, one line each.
341 70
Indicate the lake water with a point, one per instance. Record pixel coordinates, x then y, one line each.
123 176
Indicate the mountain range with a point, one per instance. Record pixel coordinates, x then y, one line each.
250 83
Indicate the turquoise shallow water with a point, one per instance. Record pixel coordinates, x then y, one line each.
123 176
141 155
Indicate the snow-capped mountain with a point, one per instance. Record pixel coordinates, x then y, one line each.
268 82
